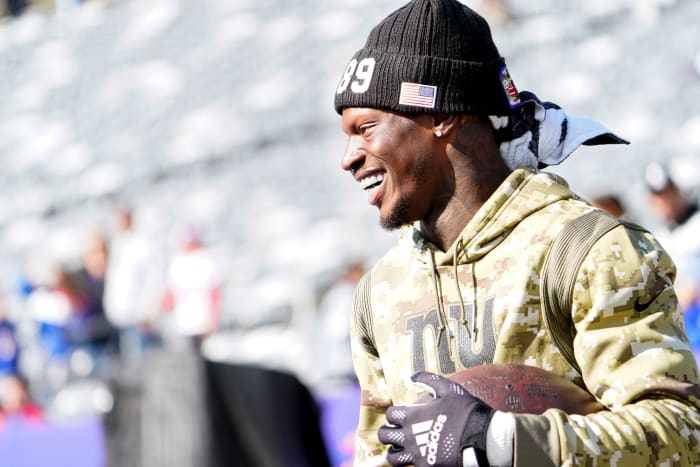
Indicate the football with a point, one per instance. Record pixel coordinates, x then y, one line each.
521 388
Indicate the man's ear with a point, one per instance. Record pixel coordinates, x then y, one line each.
445 123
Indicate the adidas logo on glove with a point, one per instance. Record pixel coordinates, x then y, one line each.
428 436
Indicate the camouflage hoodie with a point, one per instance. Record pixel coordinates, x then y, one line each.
420 308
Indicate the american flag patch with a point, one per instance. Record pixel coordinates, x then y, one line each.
419 95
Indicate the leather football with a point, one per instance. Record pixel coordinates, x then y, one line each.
518 388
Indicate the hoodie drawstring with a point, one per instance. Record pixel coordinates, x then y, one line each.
474 308
470 332
438 294
442 315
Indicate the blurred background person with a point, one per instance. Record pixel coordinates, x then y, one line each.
609 202
9 345
91 331
677 209
334 377
679 233
53 305
15 7
133 287
332 331
192 300
16 404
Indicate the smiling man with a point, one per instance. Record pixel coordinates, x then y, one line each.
450 152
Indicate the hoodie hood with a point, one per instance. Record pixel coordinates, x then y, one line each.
524 192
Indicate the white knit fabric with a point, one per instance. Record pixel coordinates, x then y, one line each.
541 133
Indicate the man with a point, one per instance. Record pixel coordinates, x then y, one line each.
133 288
448 151
333 342
680 216
611 203
193 291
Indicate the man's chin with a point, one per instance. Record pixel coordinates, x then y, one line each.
396 219
391 225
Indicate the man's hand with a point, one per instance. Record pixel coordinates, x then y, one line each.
435 433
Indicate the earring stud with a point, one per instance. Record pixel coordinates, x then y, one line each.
438 133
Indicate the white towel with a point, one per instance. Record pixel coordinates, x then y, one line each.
538 134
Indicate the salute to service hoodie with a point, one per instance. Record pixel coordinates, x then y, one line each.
420 308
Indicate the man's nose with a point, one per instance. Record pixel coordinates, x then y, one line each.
352 159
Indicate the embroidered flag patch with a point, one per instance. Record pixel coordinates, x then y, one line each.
418 95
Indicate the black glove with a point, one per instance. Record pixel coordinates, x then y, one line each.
435 433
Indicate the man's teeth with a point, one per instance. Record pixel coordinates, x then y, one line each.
371 181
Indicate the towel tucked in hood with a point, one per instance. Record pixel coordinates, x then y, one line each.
539 134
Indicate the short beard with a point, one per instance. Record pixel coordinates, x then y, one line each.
397 218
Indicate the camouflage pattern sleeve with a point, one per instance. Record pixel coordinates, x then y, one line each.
369 452
634 356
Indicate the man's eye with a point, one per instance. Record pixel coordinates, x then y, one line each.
365 128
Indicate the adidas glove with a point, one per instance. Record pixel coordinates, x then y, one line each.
435 433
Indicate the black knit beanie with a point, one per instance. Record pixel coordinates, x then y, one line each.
429 56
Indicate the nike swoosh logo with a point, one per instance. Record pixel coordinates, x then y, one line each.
638 306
